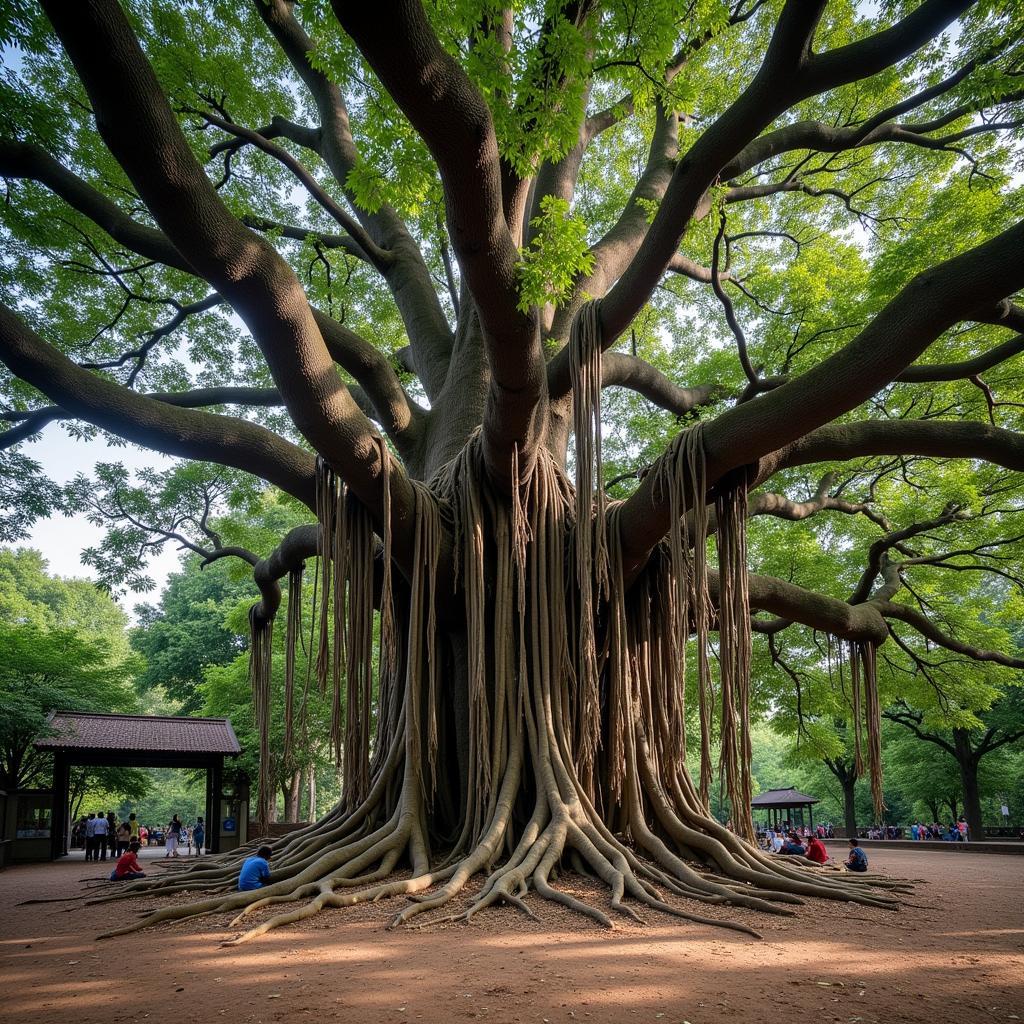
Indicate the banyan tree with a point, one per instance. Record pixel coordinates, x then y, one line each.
434 239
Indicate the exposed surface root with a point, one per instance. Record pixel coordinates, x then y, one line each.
572 723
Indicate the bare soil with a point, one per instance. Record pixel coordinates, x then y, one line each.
957 954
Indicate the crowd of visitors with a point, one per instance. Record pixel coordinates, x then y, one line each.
809 844
771 838
955 832
99 834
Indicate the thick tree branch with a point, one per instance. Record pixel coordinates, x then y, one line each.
455 123
929 305
141 131
157 424
789 73
828 614
619 370
407 276
922 373
401 417
26 160
612 253
390 405
298 545
765 503
928 629
962 439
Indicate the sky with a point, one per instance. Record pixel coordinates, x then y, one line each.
62 539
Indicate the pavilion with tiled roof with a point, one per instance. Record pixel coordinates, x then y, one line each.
777 801
136 741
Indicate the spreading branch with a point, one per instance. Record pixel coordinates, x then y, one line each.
453 119
142 133
784 418
184 432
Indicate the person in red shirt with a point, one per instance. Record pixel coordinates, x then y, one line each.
128 866
816 851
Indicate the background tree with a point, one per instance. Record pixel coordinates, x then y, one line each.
186 632
31 595
65 649
108 788
44 671
994 729
416 241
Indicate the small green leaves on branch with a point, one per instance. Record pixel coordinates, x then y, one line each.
555 255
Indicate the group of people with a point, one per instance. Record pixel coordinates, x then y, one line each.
180 834
811 847
793 844
957 832
771 834
101 833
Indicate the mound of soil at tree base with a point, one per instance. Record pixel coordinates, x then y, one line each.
958 954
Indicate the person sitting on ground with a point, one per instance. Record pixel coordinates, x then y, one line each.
858 859
255 870
792 846
816 851
128 866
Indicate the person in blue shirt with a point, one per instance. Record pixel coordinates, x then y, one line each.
255 870
858 859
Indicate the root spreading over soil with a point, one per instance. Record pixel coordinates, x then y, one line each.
548 730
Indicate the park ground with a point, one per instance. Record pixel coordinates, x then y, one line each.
957 955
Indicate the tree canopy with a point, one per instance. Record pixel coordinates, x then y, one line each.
748 268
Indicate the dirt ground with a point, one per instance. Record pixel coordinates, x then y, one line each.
958 955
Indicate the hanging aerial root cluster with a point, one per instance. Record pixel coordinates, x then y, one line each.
867 715
261 638
547 731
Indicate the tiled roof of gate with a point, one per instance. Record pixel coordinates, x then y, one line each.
782 798
154 734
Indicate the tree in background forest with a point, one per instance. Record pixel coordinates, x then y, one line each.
186 633
970 740
397 261
64 648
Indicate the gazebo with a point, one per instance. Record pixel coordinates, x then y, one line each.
137 741
775 801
